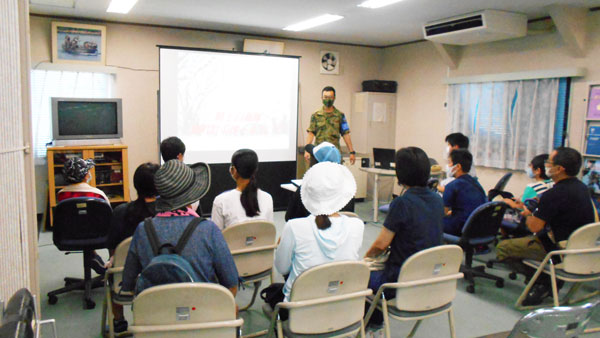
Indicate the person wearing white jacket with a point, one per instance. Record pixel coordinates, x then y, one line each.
325 235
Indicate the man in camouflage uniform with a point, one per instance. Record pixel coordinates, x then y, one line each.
328 124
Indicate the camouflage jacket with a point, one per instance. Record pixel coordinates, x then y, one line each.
328 127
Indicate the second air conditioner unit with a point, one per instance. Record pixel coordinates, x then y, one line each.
484 26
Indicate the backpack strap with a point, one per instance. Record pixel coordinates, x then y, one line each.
152 237
187 233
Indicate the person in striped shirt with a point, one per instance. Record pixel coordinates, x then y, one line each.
534 190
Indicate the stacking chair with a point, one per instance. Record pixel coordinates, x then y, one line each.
426 287
112 287
252 245
21 319
480 228
326 301
563 321
348 213
81 223
182 310
580 263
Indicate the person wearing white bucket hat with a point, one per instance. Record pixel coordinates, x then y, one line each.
325 235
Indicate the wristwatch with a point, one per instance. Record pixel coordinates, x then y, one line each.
353 153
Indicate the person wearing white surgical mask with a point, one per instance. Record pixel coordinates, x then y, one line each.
454 141
537 171
560 211
463 195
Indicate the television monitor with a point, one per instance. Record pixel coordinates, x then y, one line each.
86 119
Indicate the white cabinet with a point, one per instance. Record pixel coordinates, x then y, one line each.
373 121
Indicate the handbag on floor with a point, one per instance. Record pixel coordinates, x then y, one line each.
273 294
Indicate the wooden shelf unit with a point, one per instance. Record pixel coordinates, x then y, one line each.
109 174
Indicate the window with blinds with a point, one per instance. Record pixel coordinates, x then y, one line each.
46 84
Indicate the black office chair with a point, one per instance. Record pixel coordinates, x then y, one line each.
480 228
499 188
81 223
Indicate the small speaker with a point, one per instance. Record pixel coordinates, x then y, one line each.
365 162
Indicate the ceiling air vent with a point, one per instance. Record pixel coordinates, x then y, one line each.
485 26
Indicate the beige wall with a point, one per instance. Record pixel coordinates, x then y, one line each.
418 69
134 46
422 118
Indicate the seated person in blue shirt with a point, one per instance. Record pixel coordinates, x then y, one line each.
463 195
206 251
414 222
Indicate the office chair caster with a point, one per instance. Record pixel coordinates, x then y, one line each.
52 300
500 283
470 288
512 275
89 304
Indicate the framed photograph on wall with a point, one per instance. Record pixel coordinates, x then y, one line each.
78 43
330 62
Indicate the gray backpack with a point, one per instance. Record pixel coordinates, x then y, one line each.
167 266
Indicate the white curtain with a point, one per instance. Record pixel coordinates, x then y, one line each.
508 123
46 84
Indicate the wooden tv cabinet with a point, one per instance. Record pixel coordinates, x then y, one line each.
109 174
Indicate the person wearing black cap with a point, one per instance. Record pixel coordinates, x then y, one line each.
206 251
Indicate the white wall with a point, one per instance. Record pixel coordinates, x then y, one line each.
419 70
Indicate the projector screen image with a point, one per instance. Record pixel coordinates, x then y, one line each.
218 102
82 118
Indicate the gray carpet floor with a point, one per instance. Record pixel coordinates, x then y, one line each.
489 310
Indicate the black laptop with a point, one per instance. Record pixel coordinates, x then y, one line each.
383 158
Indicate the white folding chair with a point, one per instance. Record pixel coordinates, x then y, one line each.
556 322
252 245
199 310
112 289
426 287
349 214
326 301
580 263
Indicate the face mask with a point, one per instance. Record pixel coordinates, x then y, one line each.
529 172
89 179
328 103
548 171
195 205
450 170
447 151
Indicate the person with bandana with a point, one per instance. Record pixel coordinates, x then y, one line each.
328 124
76 172
463 195
561 210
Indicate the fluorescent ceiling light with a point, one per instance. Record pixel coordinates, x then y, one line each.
376 3
121 6
314 22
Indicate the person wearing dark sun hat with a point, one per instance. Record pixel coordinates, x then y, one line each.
206 251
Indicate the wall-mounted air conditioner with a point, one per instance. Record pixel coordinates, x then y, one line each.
484 26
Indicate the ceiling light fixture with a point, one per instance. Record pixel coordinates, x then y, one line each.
314 22
377 3
121 6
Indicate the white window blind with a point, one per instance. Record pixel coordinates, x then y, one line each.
46 84
508 123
